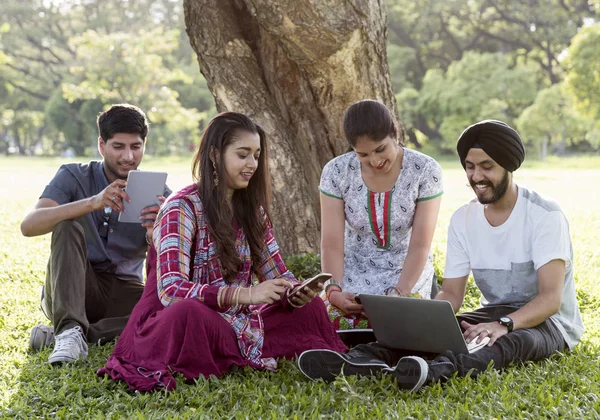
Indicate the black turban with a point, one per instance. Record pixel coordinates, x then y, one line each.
497 139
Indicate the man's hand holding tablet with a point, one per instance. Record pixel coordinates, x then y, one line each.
145 190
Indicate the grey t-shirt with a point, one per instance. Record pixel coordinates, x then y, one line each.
123 251
505 259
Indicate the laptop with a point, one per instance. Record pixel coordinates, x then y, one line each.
416 324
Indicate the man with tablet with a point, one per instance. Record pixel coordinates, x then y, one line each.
94 276
517 245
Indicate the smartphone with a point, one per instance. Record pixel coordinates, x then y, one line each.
312 283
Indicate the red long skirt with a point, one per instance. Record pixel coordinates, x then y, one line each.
192 339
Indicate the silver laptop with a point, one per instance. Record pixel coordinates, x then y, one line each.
416 324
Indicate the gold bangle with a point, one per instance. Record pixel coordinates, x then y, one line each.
237 295
220 297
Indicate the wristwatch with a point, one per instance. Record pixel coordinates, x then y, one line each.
507 322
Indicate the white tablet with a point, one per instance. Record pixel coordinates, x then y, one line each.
143 188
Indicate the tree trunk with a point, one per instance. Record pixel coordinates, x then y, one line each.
294 66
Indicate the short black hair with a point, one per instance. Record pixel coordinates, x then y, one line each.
122 118
372 119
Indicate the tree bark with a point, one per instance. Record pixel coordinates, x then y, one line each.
294 66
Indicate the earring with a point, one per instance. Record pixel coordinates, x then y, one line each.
215 177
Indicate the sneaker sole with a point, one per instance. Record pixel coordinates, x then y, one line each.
38 338
60 360
423 368
33 344
327 364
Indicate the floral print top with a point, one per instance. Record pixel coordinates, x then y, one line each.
379 225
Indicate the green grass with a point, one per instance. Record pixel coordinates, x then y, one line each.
564 386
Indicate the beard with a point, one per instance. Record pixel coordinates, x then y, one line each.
111 168
497 190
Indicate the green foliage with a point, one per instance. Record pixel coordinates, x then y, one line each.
138 51
583 80
565 386
71 60
428 38
551 119
303 266
76 121
583 64
479 86
125 67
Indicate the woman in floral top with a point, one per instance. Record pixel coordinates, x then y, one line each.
379 208
217 294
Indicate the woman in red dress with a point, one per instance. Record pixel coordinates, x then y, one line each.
217 292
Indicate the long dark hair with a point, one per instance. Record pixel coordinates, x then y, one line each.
249 206
372 119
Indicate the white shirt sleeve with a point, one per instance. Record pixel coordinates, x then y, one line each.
458 263
551 240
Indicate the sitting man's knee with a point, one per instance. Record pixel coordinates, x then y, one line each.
68 227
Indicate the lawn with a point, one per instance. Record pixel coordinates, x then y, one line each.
565 386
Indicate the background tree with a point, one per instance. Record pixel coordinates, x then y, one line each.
124 67
43 48
551 119
583 80
295 67
479 86
432 35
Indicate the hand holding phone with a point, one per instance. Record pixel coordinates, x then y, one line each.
311 283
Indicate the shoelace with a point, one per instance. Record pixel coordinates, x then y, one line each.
68 339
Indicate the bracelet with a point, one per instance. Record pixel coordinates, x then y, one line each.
250 295
228 297
392 288
329 286
220 297
332 288
237 295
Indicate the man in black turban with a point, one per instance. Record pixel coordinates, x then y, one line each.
490 151
497 139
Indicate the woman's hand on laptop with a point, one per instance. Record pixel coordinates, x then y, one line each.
345 301
493 330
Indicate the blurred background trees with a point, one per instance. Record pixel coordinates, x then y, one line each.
531 63
64 61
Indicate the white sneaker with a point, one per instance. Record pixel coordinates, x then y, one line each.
69 346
